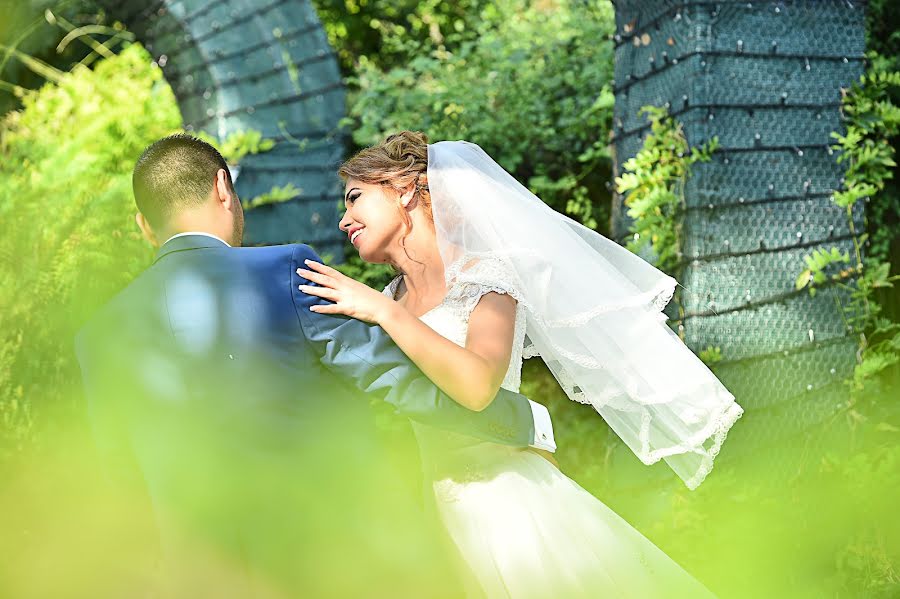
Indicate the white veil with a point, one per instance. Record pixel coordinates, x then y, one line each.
593 311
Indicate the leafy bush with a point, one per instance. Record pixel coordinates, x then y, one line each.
532 90
380 30
30 34
529 83
67 213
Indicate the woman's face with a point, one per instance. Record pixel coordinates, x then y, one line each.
372 221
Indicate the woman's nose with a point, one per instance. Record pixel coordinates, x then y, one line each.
344 224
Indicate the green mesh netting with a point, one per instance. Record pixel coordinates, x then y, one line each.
765 77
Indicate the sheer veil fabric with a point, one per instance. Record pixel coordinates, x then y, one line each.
593 311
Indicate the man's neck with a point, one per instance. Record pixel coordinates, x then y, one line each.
185 233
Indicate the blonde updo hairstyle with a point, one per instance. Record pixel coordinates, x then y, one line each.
401 159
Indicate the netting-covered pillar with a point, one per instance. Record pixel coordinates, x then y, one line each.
766 78
264 65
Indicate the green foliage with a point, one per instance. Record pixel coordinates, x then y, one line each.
873 120
816 265
883 31
864 310
711 355
381 31
275 196
532 90
653 182
239 144
866 565
756 514
31 32
69 240
873 365
376 276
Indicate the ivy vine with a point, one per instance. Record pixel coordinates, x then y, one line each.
872 120
653 183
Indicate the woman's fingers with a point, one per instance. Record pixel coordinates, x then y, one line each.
319 267
316 277
326 308
323 292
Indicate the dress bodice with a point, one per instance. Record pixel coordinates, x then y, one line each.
450 318
446 453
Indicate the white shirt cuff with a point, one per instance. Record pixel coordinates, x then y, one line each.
543 428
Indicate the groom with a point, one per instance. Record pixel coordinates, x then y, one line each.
245 416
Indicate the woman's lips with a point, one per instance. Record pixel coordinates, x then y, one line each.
355 236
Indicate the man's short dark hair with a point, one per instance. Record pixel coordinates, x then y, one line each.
175 173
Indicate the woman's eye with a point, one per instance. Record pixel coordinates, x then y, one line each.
353 198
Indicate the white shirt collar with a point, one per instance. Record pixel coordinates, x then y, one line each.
196 233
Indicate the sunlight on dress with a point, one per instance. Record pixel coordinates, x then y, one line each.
522 527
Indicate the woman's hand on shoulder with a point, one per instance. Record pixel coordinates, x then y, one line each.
350 297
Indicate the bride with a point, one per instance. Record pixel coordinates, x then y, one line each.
491 275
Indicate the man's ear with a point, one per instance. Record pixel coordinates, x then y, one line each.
223 190
146 230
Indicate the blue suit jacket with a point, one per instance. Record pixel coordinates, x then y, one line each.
245 416
222 336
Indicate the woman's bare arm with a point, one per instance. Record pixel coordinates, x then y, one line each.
471 375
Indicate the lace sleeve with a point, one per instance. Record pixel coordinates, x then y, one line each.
469 281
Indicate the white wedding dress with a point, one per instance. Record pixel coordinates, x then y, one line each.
523 528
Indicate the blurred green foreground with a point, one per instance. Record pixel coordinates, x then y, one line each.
787 521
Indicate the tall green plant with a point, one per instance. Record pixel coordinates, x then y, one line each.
872 119
653 183
66 211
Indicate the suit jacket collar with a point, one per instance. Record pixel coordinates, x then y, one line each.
183 243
